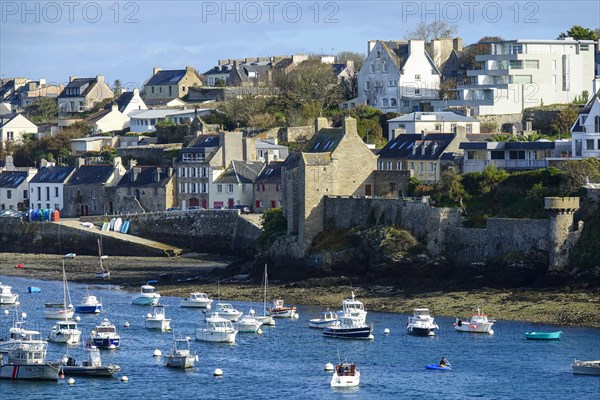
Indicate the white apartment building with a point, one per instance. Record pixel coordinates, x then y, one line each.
431 122
585 133
517 74
146 120
398 76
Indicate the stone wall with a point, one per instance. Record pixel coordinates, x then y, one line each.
297 133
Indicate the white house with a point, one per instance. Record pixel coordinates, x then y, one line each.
398 76
235 185
13 128
129 101
91 143
585 133
517 74
432 122
146 120
47 186
107 120
14 181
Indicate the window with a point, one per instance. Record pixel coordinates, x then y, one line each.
25 194
393 102
381 165
469 128
56 192
372 68
219 188
515 64
9 194
367 85
183 88
554 79
589 144
417 92
385 102
229 188
521 79
378 54
152 89
554 65
532 64
257 204
48 193
389 165
205 188
417 77
243 188
597 124
384 66
516 155
277 187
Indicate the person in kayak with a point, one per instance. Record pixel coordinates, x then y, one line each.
443 362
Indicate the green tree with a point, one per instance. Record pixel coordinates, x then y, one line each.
578 172
491 177
562 123
117 88
274 224
578 32
450 188
44 109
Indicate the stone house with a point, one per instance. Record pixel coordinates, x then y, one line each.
46 188
82 94
90 190
165 85
585 132
335 162
145 189
398 76
267 187
234 187
34 90
15 127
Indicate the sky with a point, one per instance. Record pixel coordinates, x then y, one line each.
125 39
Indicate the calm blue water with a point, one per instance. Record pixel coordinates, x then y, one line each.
287 360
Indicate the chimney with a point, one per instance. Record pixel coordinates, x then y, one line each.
80 162
158 174
414 148
44 163
100 78
321 123
132 163
350 64
155 70
136 92
370 45
10 166
416 46
72 78
114 107
189 68
135 171
42 82
457 44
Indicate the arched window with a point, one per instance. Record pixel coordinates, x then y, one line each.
597 124
378 54
385 102
393 102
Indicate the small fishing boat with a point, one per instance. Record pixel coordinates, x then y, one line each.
7 297
19 335
421 323
34 289
196 300
439 367
105 336
543 335
146 297
62 310
279 310
217 329
65 332
227 311
92 367
28 361
478 323
349 328
248 323
345 375
353 308
180 355
586 367
158 319
89 305
102 272
327 319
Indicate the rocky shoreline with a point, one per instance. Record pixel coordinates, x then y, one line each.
181 275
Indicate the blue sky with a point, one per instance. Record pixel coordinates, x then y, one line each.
125 39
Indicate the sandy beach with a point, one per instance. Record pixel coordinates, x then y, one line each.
181 275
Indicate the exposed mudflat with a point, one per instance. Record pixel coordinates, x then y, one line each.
182 275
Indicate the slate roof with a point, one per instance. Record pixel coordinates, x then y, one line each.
508 145
442 116
325 141
97 116
146 177
91 175
12 179
78 83
399 53
410 146
122 102
166 77
271 173
202 144
52 175
7 87
316 158
217 70
240 172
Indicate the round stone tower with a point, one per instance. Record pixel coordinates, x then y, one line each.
563 234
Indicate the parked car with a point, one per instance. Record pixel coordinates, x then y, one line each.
244 209
195 208
173 209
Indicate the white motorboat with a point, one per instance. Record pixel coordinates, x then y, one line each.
105 335
180 355
478 323
248 323
158 320
279 310
65 332
586 367
421 323
7 297
28 361
146 297
217 329
349 328
345 375
227 311
353 308
326 320
19 335
196 300
89 305
64 310
92 367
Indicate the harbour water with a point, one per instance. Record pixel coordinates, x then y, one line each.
287 360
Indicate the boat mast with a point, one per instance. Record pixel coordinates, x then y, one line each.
265 294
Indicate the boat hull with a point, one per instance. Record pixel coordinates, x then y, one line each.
8 299
104 371
161 325
68 337
38 372
543 335
180 361
216 337
282 313
586 367
145 301
417 331
266 320
59 313
465 326
322 324
345 381
438 367
195 303
247 327
95 309
106 343
349 333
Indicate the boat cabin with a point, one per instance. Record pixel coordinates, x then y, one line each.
30 356
345 369
66 325
278 303
421 312
147 289
198 296
225 307
106 329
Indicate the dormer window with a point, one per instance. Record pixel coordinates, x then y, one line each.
378 54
